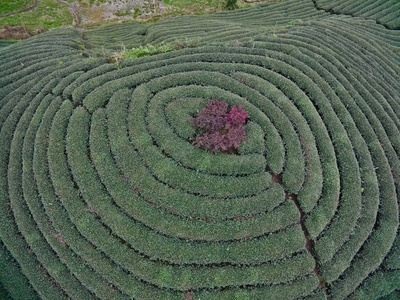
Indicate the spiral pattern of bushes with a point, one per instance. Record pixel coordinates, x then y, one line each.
102 195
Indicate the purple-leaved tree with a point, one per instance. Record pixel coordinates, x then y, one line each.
220 128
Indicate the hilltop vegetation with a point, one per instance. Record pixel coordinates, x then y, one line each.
104 196
7 7
36 16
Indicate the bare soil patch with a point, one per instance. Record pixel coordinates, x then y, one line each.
17 32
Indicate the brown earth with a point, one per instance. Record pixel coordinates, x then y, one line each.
17 32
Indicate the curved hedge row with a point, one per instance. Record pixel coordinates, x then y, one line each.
385 12
14 285
103 196
5 43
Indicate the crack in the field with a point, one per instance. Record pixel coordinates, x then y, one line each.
310 246
70 99
330 10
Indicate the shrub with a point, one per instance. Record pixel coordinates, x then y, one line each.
220 128
147 50
231 4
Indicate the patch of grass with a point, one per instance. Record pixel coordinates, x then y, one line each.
147 50
49 14
293 22
7 7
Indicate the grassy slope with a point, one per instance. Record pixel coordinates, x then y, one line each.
49 14
52 14
7 7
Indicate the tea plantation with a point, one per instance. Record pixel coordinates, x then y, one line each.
103 196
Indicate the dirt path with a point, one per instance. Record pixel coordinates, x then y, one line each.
34 6
74 11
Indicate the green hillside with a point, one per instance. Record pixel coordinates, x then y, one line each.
103 195
9 7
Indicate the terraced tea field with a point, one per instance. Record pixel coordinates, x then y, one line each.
102 195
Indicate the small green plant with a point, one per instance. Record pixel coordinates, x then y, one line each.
147 50
293 22
136 13
322 280
231 4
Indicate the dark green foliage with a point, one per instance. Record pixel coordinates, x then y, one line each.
5 43
386 12
102 195
13 283
231 4
3 293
